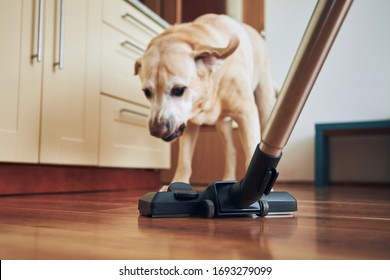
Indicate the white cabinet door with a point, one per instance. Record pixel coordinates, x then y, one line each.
20 81
70 95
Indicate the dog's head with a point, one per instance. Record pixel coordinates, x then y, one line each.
177 80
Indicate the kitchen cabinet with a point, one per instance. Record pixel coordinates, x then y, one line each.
50 81
68 94
125 140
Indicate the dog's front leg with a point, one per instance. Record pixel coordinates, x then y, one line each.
187 144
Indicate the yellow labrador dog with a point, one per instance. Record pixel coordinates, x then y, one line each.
210 71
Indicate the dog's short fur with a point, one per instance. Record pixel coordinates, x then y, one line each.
211 71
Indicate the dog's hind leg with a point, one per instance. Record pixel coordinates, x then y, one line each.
225 133
265 95
249 129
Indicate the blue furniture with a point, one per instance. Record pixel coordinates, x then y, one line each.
324 131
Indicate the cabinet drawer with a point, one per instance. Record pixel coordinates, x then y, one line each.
125 138
129 20
118 57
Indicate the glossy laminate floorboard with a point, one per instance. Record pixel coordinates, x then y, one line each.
338 222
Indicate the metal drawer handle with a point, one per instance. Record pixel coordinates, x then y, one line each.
124 43
40 27
128 111
127 15
60 63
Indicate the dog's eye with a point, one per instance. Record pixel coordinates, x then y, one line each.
178 91
147 92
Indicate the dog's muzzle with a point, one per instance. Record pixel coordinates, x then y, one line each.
163 131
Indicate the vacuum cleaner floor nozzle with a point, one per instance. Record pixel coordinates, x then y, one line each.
181 200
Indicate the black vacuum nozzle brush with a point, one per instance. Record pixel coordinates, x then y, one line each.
250 196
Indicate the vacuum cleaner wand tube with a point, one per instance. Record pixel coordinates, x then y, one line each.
316 43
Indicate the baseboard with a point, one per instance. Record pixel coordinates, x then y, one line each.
36 178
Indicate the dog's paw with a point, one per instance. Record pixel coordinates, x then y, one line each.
163 189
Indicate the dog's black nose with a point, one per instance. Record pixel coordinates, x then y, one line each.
159 129
177 133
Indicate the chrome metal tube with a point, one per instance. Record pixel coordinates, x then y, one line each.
129 111
319 36
126 42
127 15
60 62
40 32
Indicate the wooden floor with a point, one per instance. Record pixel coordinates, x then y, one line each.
339 222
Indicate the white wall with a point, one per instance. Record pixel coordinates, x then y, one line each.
354 84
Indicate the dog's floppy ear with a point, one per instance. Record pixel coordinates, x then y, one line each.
137 66
210 55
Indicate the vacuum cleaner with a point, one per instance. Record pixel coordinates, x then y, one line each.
252 195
